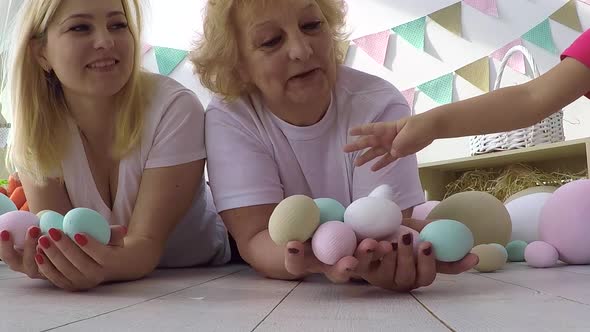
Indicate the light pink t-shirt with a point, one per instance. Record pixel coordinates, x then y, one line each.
173 135
256 158
580 50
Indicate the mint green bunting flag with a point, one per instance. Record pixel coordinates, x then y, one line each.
413 32
541 36
168 59
439 89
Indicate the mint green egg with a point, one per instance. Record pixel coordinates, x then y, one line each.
330 210
450 239
50 219
516 250
6 204
83 220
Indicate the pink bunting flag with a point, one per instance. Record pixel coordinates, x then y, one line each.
489 7
409 95
145 48
375 45
516 61
586 1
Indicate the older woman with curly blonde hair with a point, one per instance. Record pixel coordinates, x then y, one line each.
277 126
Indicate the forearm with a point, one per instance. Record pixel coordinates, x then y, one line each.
136 259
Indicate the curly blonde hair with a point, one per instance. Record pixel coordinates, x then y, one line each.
215 55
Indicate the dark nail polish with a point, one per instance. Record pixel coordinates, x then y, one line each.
4 235
348 269
34 232
407 239
427 251
80 239
39 259
370 251
293 251
44 242
55 234
394 245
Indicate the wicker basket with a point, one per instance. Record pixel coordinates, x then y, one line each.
549 130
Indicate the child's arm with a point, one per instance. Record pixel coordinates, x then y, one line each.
501 110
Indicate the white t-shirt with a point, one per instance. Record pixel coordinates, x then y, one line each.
173 134
256 158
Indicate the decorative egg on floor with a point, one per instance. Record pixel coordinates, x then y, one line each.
6 205
491 257
484 214
565 222
17 223
421 211
373 217
525 212
403 230
50 219
541 254
332 241
502 250
383 191
531 190
295 218
516 250
83 220
330 209
450 239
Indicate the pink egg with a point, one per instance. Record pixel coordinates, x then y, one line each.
17 223
332 241
421 211
565 222
403 230
540 254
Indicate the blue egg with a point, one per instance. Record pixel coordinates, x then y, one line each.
330 209
6 204
50 219
516 250
450 239
83 220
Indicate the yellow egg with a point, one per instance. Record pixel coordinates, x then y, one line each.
491 258
294 219
484 214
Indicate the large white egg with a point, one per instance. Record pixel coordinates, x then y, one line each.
383 191
373 217
525 212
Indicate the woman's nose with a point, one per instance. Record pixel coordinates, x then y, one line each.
104 39
300 48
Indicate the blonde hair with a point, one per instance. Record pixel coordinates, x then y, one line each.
39 132
215 56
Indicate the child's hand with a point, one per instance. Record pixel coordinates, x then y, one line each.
391 140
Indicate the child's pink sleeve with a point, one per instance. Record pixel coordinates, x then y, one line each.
580 50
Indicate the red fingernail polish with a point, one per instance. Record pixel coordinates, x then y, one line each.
293 251
4 235
124 230
34 232
427 251
80 239
39 259
55 234
394 246
44 242
39 251
407 239
370 251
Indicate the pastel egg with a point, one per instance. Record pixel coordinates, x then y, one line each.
540 254
484 214
330 209
516 250
295 218
525 212
491 258
450 239
531 190
40 213
403 230
17 223
6 204
50 219
502 250
332 241
421 211
383 191
373 217
83 220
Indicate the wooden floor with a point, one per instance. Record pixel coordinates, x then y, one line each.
233 298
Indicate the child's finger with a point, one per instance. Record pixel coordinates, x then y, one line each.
369 155
384 161
377 128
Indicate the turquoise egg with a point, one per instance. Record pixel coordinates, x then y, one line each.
6 204
83 220
516 250
50 219
330 209
450 239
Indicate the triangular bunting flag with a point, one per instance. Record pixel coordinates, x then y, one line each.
541 36
449 18
586 1
344 46
489 7
439 89
375 45
168 59
145 48
568 16
516 61
409 96
413 32
477 73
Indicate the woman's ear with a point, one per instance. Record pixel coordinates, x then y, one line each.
39 52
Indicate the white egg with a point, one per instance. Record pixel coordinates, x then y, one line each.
383 191
525 214
373 217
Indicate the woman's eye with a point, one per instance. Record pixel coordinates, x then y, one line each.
119 26
80 28
313 25
271 42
